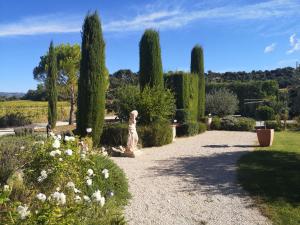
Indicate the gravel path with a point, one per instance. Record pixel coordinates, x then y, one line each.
191 181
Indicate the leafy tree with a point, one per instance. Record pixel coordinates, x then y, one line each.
265 113
51 86
68 62
93 78
221 102
197 67
151 72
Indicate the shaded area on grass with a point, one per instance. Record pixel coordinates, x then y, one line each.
214 174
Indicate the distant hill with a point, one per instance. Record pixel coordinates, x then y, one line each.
11 94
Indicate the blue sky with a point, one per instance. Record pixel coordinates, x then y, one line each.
240 35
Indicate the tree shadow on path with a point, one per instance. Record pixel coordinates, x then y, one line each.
213 174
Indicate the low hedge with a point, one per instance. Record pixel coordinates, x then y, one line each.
233 123
14 120
190 128
271 124
156 134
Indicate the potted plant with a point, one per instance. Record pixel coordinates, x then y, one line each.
265 136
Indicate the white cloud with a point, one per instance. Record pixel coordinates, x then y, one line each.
171 16
295 44
270 48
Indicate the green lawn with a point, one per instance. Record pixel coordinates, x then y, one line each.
272 176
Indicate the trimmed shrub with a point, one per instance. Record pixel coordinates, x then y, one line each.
52 87
151 72
265 113
92 82
115 134
190 128
216 123
22 131
221 102
197 67
185 89
237 123
14 120
272 124
156 134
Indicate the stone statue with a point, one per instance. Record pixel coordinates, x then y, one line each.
133 138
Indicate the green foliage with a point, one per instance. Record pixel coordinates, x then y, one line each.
221 102
190 128
271 175
14 153
52 86
216 123
151 72
14 120
92 82
265 113
156 134
197 67
237 123
273 124
248 90
153 104
62 169
294 101
185 89
115 134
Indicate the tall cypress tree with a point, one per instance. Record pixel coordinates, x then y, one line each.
92 79
51 86
151 72
197 67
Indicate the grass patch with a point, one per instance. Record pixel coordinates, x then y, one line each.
272 176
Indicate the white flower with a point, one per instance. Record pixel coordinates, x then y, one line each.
22 147
111 194
60 159
90 172
6 187
102 201
43 176
70 185
88 130
86 198
105 173
82 156
102 149
58 137
77 199
23 211
59 197
57 189
42 197
104 153
77 190
96 196
69 138
56 144
52 134
69 152
55 152
89 182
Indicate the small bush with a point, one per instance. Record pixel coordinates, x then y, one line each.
14 120
216 123
22 131
115 134
190 128
271 124
237 124
265 113
156 134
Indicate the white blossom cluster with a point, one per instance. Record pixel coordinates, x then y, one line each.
105 173
98 198
43 176
23 211
59 197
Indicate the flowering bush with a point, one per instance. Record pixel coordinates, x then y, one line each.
63 187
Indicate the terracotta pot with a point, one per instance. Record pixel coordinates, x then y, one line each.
265 137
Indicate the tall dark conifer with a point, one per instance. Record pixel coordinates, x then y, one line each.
197 67
92 80
52 87
151 72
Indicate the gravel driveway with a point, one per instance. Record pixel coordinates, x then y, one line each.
191 181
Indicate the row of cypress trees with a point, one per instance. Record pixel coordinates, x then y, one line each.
93 77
